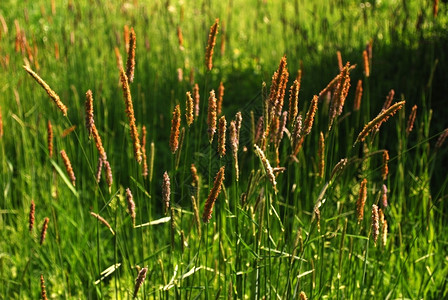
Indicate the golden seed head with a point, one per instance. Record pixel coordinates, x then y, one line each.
130 64
50 138
361 200
375 223
411 120
68 167
358 96
144 158
44 230
32 210
321 155
308 124
139 281
131 205
220 98
189 109
211 116
222 136
166 191
211 45
89 111
213 195
385 168
49 91
196 98
366 63
175 125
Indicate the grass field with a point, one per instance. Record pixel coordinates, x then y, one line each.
308 162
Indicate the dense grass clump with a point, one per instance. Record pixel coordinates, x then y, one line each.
238 150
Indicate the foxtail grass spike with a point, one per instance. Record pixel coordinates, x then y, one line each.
49 91
144 158
411 120
385 167
378 120
384 233
366 63
358 96
340 64
166 192
180 37
68 167
384 195
175 125
102 220
131 205
211 116
130 63
189 109
222 127
118 58
211 45
196 98
43 292
98 143
389 99
220 99
151 161
109 178
213 195
375 223
43 233
196 214
361 201
89 112
139 281
131 117
308 124
302 296
234 145
293 102
321 155
267 166
50 138
99 168
441 139
32 210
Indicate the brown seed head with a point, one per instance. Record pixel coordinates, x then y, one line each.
441 139
50 138
32 210
214 193
175 125
130 114
321 155
211 45
68 167
89 112
384 195
267 166
102 220
139 281
130 64
98 143
220 98
118 58
358 96
109 178
302 296
131 205
385 168
145 162
361 200
411 120
293 102
211 116
389 99
49 91
99 168
279 80
234 143
375 223
166 191
378 120
222 136
42 288
366 63
308 124
180 37
189 109
196 98
196 214
435 8
44 230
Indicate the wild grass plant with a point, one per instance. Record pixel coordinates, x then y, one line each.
221 150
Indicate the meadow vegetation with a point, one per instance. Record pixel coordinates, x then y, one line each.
223 149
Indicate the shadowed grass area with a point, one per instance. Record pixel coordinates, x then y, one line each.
297 219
